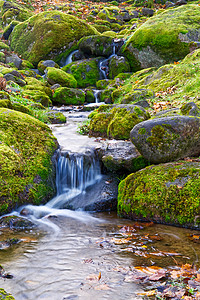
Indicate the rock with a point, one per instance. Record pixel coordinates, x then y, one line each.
14 59
69 96
55 86
120 157
96 45
15 222
117 65
37 96
142 103
54 75
4 295
86 72
169 4
167 139
8 243
116 121
155 44
55 117
135 14
147 12
25 141
11 77
180 2
100 197
166 193
190 109
43 64
137 94
29 37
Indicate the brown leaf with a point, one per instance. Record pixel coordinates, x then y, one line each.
148 293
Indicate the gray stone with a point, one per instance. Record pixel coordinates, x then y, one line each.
11 77
147 12
190 109
15 60
167 139
96 46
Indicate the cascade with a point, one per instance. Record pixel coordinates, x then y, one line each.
103 66
68 59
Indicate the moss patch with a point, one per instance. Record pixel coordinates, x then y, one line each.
167 193
55 75
26 170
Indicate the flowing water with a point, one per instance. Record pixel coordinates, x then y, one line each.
79 255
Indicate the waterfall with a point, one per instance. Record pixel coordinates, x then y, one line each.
103 66
76 172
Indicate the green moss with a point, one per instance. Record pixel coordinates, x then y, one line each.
5 103
55 75
39 85
168 42
3 46
40 36
15 13
69 96
118 65
116 122
102 84
25 160
167 193
26 65
86 72
5 296
37 96
21 107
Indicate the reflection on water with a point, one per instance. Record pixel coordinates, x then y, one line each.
83 260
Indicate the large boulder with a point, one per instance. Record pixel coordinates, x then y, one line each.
167 139
55 75
48 34
166 193
116 121
117 65
155 43
96 46
26 169
69 96
86 72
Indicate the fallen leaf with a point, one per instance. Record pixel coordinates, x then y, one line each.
148 293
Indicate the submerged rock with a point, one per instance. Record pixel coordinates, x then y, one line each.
167 139
167 193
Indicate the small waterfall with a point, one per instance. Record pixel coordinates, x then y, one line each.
68 59
76 172
96 95
103 66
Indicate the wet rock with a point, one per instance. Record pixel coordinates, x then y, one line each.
15 222
121 157
167 139
4 295
181 2
11 77
100 197
55 117
169 4
117 65
8 243
96 46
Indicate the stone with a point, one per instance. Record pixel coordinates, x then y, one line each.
147 12
120 157
167 139
94 46
69 96
11 77
14 59
190 109
117 65
166 193
43 64
15 222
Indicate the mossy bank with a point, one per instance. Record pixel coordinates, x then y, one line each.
26 168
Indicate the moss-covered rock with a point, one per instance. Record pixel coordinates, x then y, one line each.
96 45
117 65
86 72
3 46
39 85
116 121
55 75
102 84
5 296
167 193
155 44
43 64
26 169
5 103
13 11
136 95
48 34
56 117
167 139
69 96
21 107
37 96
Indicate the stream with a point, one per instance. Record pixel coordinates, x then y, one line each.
86 255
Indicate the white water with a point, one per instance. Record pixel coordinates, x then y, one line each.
68 59
103 66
